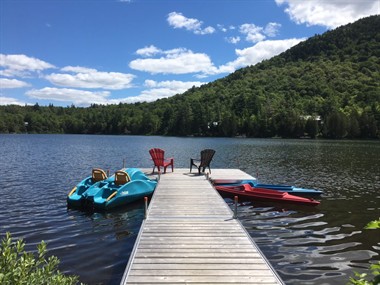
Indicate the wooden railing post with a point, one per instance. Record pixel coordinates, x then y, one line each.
145 207
236 198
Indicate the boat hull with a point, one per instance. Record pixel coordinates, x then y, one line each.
77 197
247 192
283 188
125 194
106 194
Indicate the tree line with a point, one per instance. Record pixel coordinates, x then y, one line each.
327 86
186 119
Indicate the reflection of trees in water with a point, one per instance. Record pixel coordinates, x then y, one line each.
122 222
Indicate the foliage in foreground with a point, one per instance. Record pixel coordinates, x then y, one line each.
373 225
361 278
19 267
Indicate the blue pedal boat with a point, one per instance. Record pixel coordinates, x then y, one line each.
75 198
125 186
283 188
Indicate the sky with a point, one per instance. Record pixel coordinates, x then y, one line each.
82 52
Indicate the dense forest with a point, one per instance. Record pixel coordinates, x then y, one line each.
327 86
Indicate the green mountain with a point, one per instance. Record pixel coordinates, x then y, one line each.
328 85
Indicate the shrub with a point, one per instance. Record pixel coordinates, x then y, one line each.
361 278
18 267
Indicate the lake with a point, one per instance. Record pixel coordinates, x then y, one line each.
306 245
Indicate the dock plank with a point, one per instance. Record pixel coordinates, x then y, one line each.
191 279
189 237
201 267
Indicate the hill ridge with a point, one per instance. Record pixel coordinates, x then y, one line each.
327 86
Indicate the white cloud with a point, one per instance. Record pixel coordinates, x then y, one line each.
253 33
10 101
78 69
145 96
162 89
222 28
148 51
77 97
207 30
257 34
155 90
233 40
178 21
330 14
175 85
271 29
12 83
265 50
21 65
175 61
150 95
91 78
257 53
182 61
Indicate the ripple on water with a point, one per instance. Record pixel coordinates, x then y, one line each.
317 246
305 248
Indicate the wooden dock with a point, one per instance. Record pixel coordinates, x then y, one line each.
190 237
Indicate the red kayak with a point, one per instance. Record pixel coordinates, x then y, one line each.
247 191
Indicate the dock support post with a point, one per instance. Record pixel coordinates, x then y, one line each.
236 198
145 207
208 176
123 162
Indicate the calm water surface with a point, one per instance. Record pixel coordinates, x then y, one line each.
321 245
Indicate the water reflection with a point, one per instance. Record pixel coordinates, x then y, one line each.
306 245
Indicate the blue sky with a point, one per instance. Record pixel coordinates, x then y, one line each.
81 52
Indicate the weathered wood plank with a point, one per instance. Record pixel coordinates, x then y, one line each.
191 222
189 237
190 240
229 175
195 266
195 235
195 279
199 272
201 283
152 246
197 250
201 260
190 230
219 255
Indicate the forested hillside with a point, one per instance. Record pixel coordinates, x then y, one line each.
327 86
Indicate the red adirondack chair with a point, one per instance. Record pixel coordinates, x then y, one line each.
158 157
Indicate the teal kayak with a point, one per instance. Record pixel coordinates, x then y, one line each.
282 188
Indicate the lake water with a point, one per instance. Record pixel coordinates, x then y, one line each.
306 245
